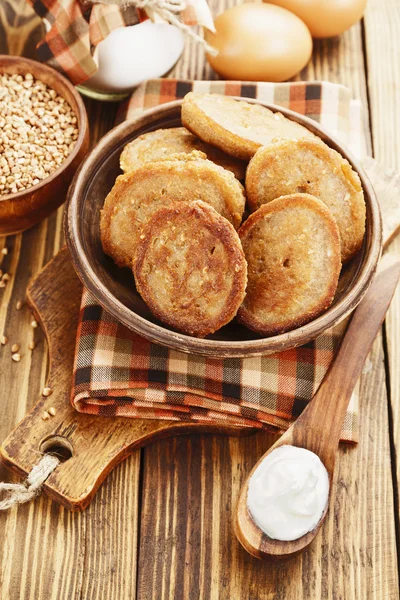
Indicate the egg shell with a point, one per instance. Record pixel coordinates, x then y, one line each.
259 42
325 18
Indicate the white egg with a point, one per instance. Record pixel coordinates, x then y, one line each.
130 55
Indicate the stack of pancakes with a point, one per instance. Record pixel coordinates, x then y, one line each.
176 218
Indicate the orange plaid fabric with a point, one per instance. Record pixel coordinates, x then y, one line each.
119 373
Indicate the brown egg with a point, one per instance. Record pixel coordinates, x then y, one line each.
325 18
259 42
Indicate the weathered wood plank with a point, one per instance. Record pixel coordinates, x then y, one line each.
187 548
382 24
50 553
190 488
47 552
20 28
383 54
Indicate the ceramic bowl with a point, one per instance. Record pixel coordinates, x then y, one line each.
114 288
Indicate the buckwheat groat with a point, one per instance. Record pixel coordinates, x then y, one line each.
235 126
159 144
190 268
137 195
310 166
38 131
292 248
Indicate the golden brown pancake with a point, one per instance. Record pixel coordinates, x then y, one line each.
292 248
189 268
235 126
163 143
137 195
310 166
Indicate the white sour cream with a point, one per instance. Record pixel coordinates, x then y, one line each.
288 493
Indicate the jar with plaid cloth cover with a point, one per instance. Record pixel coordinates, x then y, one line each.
108 47
130 55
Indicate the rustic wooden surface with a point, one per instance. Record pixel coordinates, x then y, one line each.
160 527
93 445
318 427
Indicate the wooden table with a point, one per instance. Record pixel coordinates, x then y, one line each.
160 526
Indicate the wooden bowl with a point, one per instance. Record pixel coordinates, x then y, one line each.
26 208
114 288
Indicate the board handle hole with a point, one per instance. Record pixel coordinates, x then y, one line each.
58 446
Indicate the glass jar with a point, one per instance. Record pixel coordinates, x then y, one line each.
130 55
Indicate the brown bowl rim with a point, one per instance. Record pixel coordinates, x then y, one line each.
203 346
81 116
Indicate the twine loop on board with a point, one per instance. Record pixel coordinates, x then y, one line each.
168 10
18 493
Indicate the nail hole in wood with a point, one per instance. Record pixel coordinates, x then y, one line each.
58 446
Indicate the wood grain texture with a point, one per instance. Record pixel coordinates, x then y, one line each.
197 484
318 427
392 331
386 183
383 53
94 444
192 484
20 28
190 488
48 552
45 549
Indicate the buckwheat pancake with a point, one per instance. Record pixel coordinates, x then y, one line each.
189 268
159 144
310 166
235 126
292 248
137 195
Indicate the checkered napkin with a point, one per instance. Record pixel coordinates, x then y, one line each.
119 373
75 27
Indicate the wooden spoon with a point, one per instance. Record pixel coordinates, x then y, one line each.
319 426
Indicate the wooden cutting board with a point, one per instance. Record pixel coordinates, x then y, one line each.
92 445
